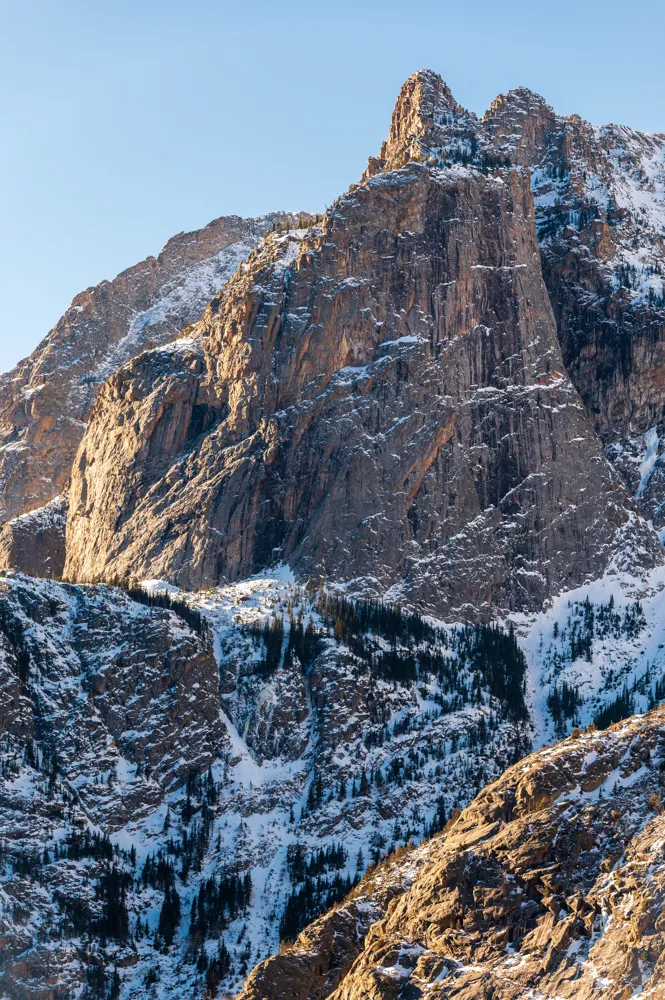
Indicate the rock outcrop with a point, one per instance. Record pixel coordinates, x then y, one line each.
551 883
598 195
34 543
105 683
46 400
379 400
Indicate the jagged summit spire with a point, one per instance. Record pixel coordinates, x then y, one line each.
519 98
518 123
426 121
426 95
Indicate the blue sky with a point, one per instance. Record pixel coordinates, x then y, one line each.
123 122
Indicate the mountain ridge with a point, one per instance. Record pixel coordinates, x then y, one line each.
45 401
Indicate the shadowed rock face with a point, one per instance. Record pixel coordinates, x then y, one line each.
46 400
380 400
34 543
102 681
598 193
551 882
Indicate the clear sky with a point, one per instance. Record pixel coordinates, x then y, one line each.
126 121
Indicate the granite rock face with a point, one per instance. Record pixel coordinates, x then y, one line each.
601 225
599 194
170 737
379 400
551 882
46 400
597 214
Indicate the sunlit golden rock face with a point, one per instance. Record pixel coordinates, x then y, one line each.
551 883
46 400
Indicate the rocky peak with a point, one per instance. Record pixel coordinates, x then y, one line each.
519 125
378 400
427 123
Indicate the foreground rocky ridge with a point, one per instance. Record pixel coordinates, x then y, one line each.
552 882
379 400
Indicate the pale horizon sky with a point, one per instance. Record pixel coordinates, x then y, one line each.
126 122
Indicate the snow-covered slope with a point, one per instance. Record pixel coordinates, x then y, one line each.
305 772
283 736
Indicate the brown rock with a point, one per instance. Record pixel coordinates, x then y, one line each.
477 921
46 400
380 401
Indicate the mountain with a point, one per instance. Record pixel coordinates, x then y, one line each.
154 745
46 400
379 400
352 687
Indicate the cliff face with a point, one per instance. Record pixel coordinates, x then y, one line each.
35 542
598 194
379 400
551 882
601 225
46 400
599 221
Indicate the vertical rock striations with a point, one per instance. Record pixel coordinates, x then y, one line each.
380 400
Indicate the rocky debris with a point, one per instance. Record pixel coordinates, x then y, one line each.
551 882
34 543
379 400
46 400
